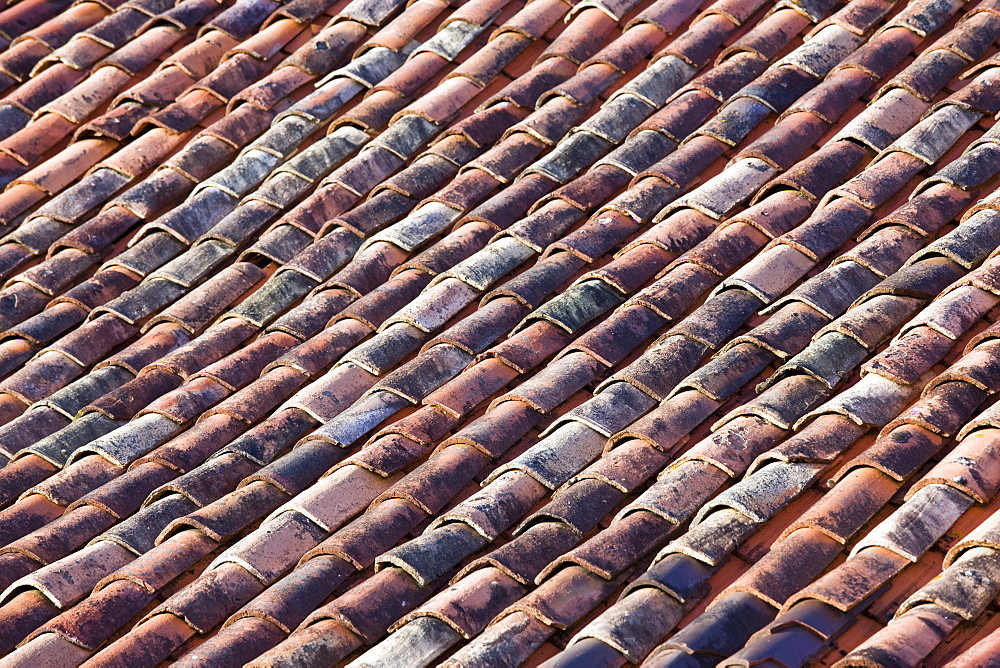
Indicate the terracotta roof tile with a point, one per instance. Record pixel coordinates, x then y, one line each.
312 307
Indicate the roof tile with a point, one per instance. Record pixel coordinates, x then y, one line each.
361 273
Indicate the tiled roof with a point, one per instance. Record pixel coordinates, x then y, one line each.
499 333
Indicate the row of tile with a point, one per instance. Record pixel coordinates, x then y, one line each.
373 297
614 476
